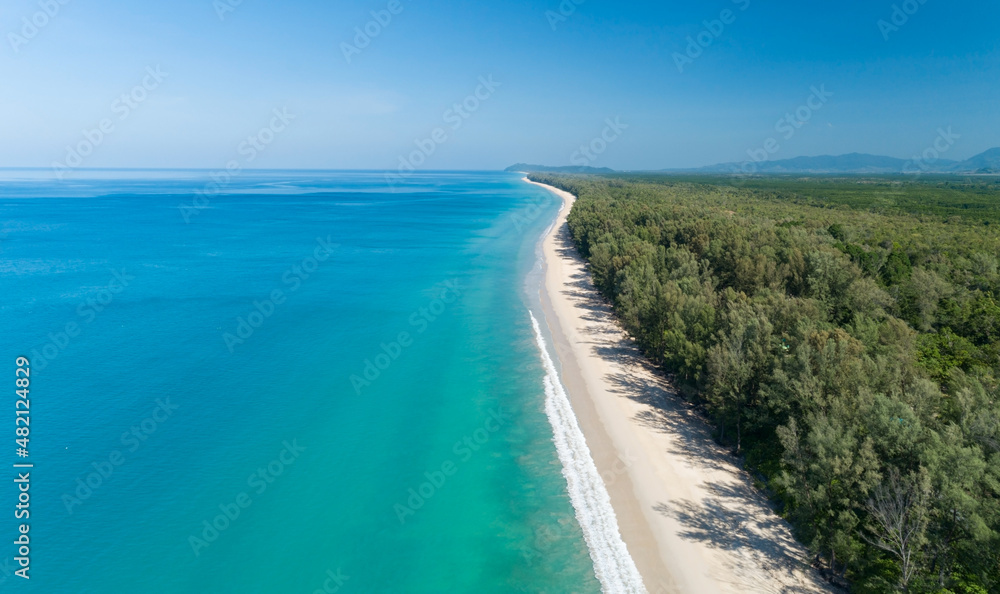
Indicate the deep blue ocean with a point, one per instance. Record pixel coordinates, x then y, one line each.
280 382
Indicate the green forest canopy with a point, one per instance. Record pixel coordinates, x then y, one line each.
844 336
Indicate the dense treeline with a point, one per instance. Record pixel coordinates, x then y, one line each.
971 197
850 354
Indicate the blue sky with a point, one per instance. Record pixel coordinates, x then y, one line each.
560 78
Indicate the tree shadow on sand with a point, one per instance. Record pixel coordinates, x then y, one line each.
758 543
761 552
640 381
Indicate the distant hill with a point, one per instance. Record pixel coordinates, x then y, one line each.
852 163
987 162
526 168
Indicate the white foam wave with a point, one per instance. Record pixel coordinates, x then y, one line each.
613 565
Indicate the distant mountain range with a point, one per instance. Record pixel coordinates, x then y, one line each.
987 162
852 163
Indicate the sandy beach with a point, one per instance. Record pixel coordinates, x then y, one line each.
687 512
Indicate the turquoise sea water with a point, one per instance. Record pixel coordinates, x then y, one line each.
195 365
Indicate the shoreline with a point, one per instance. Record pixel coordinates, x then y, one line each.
688 514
